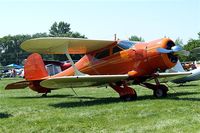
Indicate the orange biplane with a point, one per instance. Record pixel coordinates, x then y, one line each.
116 63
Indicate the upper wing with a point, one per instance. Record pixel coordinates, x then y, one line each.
58 45
81 81
165 77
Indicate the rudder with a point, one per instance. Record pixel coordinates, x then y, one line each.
34 68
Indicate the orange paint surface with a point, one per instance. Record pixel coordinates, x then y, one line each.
35 68
142 59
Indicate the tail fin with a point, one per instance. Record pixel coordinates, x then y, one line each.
34 68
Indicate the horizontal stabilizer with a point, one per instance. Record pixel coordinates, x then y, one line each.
17 85
81 81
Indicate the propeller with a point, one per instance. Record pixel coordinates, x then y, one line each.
184 52
172 50
195 52
175 49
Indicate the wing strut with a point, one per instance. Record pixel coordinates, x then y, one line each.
76 71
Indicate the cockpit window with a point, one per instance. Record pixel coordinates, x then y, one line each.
102 54
116 49
125 44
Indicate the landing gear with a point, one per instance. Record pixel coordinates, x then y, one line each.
126 93
129 97
160 91
44 95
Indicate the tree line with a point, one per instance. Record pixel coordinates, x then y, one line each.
191 44
10 51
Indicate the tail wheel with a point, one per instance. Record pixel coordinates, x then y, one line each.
161 91
44 95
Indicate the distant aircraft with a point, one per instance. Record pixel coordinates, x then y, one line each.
116 63
195 73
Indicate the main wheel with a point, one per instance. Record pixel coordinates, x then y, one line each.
130 97
161 91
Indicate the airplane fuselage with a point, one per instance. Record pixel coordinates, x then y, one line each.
139 59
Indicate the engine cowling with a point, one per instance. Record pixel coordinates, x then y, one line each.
159 60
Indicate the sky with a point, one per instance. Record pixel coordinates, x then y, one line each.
101 19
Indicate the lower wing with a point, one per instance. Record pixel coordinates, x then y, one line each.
81 81
166 77
92 80
95 80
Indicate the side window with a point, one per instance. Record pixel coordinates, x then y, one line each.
116 49
102 54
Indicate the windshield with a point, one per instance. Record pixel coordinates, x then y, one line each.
126 44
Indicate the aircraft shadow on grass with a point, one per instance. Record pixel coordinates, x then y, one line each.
91 101
54 96
39 97
4 115
81 103
110 100
186 85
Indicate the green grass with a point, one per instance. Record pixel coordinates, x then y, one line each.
99 110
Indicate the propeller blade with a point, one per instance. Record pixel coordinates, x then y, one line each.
163 50
176 48
184 52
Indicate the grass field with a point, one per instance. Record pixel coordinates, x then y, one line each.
99 110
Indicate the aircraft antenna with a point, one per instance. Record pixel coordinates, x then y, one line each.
115 37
